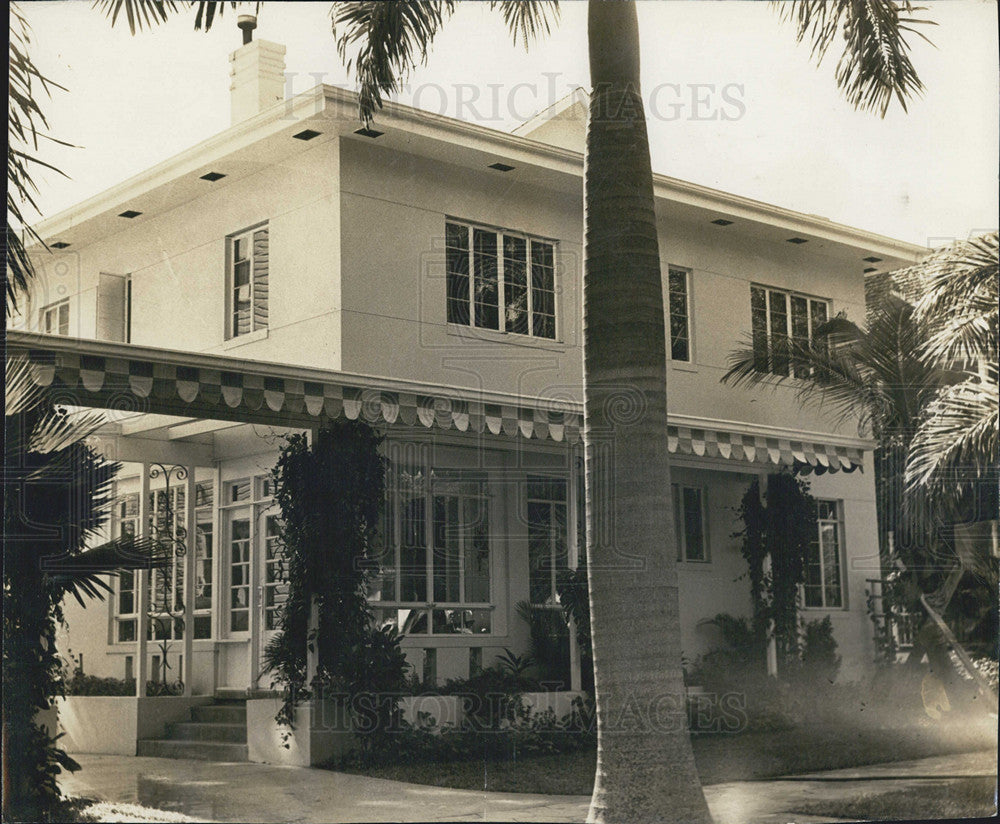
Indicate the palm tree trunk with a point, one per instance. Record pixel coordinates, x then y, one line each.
645 767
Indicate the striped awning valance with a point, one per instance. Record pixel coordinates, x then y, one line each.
198 386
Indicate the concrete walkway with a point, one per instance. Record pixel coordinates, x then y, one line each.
211 791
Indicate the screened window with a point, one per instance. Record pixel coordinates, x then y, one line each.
248 276
547 539
823 585
679 311
778 317
500 280
689 523
435 573
126 516
55 319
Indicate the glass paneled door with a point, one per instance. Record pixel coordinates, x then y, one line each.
256 575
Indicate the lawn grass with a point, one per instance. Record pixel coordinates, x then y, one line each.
959 798
720 758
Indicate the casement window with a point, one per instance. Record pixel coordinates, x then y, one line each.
778 317
547 538
166 585
248 266
690 523
823 585
679 311
435 576
55 318
500 280
253 536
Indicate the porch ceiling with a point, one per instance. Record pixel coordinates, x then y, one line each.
190 385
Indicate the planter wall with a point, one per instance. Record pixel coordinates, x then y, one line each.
111 725
322 733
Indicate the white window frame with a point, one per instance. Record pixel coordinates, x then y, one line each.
246 235
54 310
680 522
500 233
432 489
688 317
119 617
838 521
789 295
555 567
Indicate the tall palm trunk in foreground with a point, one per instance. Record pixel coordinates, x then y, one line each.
645 766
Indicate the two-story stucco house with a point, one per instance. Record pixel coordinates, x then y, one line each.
423 275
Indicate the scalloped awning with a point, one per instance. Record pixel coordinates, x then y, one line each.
139 379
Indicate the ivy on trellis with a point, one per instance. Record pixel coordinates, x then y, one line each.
331 494
781 527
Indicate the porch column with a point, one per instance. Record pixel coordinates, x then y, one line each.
191 543
142 584
572 561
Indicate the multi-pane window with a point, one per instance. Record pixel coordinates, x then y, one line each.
778 317
249 269
678 308
55 318
126 517
252 522
823 584
435 571
204 499
689 523
500 280
547 538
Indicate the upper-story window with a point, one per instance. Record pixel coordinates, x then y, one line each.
55 318
500 280
823 585
247 255
777 317
679 311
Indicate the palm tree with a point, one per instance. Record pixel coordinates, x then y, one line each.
645 767
56 496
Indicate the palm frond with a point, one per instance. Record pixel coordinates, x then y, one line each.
527 21
959 439
875 64
388 39
20 390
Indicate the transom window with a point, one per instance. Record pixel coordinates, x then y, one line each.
55 319
500 280
778 317
823 583
679 313
435 571
248 276
689 523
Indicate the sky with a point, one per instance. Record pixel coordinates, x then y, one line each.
733 102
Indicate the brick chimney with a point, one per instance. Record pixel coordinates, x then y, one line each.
257 74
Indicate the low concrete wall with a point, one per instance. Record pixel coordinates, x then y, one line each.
99 724
322 733
111 724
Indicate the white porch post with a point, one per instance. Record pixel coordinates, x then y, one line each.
572 561
191 543
142 584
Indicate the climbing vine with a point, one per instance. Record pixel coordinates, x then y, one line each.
331 494
781 527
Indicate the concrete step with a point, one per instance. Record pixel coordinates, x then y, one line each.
221 713
206 731
199 750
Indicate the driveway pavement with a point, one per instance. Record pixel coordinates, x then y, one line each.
211 791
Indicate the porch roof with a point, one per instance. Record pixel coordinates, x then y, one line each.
129 378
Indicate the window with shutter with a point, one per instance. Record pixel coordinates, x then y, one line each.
248 281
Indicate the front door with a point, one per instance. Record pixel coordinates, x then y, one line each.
272 592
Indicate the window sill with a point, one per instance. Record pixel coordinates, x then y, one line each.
489 336
683 366
240 340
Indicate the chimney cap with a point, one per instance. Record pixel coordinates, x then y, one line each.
247 23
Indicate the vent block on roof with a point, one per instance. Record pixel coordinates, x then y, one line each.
129 213
722 222
306 134
372 133
500 167
59 244
797 240
211 177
